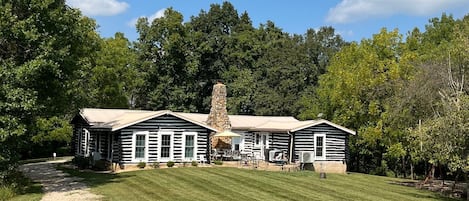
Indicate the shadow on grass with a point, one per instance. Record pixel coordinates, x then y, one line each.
92 179
413 184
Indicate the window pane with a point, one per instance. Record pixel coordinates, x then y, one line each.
319 140
140 152
166 140
165 152
319 152
140 140
189 152
189 140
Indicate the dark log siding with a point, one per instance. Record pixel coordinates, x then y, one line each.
163 123
279 141
336 141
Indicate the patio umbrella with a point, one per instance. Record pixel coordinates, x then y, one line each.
227 133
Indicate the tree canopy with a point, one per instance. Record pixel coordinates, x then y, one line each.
53 62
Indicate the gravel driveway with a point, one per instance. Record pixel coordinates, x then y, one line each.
56 184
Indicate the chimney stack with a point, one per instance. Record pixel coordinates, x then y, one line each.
218 117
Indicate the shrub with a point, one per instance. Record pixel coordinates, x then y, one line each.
81 162
194 163
141 165
218 162
102 165
155 165
7 192
170 164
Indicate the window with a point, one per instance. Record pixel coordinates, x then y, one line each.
190 145
165 146
140 146
320 146
257 138
87 142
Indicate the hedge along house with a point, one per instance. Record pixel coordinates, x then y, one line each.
133 136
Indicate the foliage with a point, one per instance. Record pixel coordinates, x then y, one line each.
141 165
17 187
155 165
194 163
218 162
102 165
170 164
81 162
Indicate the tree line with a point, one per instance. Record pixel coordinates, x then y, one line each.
406 96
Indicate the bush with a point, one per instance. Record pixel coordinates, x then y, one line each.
141 165
13 183
102 165
170 164
218 162
7 192
155 165
194 163
81 162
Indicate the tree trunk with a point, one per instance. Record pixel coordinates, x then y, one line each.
404 167
412 171
430 175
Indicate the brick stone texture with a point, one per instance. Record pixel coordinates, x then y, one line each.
218 116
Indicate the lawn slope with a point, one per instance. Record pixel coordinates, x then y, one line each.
241 184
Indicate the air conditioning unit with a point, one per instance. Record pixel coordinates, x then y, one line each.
307 157
274 155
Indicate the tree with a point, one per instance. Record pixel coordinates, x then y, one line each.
114 80
43 47
354 92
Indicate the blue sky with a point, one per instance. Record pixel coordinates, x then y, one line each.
353 19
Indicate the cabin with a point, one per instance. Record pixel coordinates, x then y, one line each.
128 137
133 136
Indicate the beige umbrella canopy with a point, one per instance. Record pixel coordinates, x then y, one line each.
227 133
223 140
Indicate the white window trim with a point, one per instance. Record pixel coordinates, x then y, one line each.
323 157
87 143
171 146
184 134
80 144
134 142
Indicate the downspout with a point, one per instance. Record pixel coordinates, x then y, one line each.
291 146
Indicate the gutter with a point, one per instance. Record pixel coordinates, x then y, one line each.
291 146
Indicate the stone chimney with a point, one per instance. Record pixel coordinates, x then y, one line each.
218 117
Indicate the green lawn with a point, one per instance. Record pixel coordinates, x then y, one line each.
241 184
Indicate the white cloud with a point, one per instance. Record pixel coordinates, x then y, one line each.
158 14
99 7
356 10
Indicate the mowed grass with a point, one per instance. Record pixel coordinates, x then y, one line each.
242 184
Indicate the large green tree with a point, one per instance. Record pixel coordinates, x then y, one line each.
43 47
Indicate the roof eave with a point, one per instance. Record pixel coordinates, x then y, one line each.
326 122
